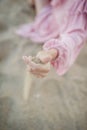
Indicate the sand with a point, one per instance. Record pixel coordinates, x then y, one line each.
55 103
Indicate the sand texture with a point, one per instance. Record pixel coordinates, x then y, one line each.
55 103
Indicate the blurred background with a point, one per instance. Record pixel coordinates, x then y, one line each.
54 103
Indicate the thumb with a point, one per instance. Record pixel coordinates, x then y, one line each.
45 59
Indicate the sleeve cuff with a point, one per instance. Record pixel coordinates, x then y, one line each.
60 63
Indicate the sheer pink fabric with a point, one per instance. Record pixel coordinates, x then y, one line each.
71 38
43 28
62 25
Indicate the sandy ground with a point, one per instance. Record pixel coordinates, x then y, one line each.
55 103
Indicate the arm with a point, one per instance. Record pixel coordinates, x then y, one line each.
69 44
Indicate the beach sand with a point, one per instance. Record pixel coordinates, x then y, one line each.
54 103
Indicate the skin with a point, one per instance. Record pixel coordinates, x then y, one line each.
31 3
41 69
39 4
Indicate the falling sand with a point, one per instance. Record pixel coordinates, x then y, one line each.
53 103
29 79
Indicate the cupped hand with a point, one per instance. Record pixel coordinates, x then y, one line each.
40 70
40 65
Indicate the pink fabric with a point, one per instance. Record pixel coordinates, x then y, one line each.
44 28
62 25
72 37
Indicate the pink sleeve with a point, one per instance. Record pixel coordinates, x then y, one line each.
69 44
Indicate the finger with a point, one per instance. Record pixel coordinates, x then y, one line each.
38 70
24 58
35 74
41 70
38 67
44 59
27 59
39 74
31 63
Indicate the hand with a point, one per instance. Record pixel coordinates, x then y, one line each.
41 69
